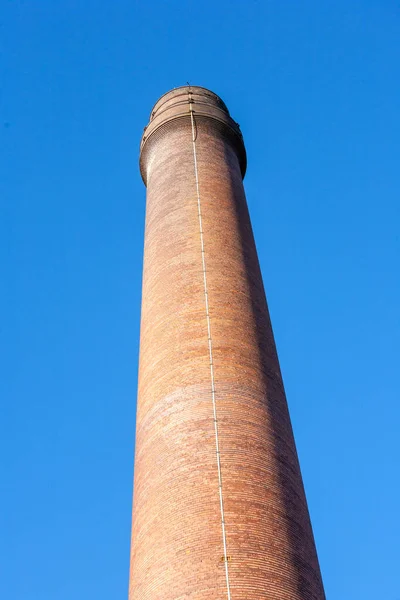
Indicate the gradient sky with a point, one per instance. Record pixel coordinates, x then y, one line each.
315 88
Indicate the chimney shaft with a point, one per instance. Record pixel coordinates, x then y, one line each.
219 505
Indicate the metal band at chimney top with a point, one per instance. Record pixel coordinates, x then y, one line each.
210 351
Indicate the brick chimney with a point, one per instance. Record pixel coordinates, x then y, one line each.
219 506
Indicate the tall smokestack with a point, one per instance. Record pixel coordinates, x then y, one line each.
219 505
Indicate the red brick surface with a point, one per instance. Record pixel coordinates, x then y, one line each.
176 534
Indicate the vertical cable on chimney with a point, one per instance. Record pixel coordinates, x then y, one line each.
210 352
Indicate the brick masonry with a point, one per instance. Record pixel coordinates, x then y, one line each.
177 550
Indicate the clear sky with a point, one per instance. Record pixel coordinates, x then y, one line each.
315 88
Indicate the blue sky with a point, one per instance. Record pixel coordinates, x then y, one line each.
315 88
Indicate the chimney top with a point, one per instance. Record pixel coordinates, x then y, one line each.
178 103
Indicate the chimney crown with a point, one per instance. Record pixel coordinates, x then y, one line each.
176 105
